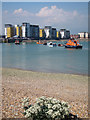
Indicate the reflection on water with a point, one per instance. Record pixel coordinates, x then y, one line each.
42 58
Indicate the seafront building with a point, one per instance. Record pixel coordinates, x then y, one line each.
48 32
84 35
26 30
58 36
34 32
42 34
9 30
87 35
18 31
65 34
54 32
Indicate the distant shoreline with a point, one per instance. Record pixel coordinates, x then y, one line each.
12 40
45 72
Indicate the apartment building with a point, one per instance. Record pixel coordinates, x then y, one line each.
54 32
26 30
81 34
84 35
18 31
57 35
48 32
42 34
9 30
65 34
34 32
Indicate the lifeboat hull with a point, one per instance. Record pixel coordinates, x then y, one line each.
76 47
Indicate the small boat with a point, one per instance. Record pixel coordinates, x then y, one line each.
73 44
54 44
17 42
45 43
39 42
60 45
50 44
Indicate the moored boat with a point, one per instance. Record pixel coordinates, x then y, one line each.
54 44
60 45
50 44
17 42
39 42
45 43
73 44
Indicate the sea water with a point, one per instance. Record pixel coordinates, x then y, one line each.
42 58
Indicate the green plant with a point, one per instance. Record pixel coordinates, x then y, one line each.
46 109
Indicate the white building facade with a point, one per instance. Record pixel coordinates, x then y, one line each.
26 30
48 32
65 34
5 32
86 35
82 34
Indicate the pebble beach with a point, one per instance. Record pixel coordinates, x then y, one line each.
18 84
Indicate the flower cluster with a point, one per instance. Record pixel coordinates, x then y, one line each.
46 109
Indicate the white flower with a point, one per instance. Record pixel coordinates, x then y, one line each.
54 101
50 112
49 106
27 115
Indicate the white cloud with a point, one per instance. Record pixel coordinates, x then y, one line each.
50 15
56 14
45 12
21 12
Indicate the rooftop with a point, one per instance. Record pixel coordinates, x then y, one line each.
8 25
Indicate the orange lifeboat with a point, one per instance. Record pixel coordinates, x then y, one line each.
73 44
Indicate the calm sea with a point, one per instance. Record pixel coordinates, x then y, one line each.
44 59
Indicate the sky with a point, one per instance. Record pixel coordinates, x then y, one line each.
69 15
